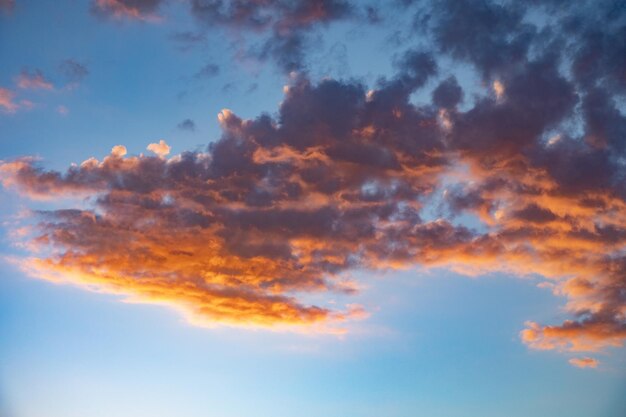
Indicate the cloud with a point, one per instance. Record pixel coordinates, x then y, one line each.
491 35
144 10
33 81
448 93
118 151
534 213
281 27
7 102
585 362
208 71
161 148
339 180
187 40
415 68
231 235
346 176
73 70
284 26
188 125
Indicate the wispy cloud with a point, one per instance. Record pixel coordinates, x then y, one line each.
187 40
585 362
34 80
188 125
73 70
143 10
208 71
7 100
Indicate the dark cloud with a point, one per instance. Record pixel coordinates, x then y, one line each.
414 69
448 93
535 214
373 14
188 125
208 71
596 37
187 40
491 35
284 25
535 98
73 70
287 15
606 125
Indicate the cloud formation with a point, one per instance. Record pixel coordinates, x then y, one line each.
345 176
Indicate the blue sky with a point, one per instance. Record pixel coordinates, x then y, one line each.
445 259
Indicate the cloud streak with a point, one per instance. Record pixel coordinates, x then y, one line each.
33 81
142 10
585 362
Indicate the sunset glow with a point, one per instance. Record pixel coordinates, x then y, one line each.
370 208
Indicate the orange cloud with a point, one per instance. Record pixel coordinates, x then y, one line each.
161 148
585 362
6 101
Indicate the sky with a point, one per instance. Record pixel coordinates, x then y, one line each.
312 207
